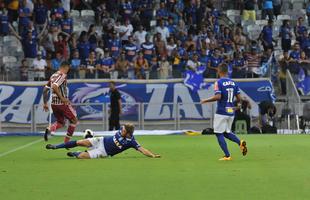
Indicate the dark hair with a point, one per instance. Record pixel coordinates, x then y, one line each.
90 27
65 64
223 68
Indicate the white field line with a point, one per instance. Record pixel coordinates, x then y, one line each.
21 147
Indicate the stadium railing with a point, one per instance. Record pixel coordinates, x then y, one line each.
170 116
293 102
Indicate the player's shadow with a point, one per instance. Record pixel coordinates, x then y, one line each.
109 158
128 157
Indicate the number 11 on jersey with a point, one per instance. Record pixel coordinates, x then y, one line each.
230 95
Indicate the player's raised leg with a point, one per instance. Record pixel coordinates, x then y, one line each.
70 144
243 147
242 143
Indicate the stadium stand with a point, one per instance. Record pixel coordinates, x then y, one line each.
191 27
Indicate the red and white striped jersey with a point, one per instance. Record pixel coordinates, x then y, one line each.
59 79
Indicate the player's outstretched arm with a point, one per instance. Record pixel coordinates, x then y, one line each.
148 153
211 99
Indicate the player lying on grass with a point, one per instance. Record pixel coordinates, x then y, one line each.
100 147
225 90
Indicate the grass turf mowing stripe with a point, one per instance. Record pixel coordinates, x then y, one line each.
21 147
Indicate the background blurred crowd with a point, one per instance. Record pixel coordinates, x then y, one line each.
144 39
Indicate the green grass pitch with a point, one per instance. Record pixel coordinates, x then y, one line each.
276 167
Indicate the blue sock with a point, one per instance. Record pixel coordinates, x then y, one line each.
232 137
222 143
76 154
67 145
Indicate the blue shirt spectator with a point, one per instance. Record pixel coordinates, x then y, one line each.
214 61
30 47
58 11
162 12
148 49
204 58
40 13
108 63
305 45
24 16
84 49
67 25
131 50
295 58
267 4
239 66
75 63
75 66
127 9
267 34
285 32
4 24
56 62
114 45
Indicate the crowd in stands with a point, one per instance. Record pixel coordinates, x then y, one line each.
145 39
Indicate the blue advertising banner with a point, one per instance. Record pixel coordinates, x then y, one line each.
17 98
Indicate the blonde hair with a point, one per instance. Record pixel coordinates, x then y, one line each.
129 128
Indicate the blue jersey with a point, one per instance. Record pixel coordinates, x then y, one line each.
295 55
131 51
4 26
285 32
115 47
40 11
67 25
116 144
267 34
300 29
127 9
56 64
228 89
58 12
75 63
24 20
148 48
30 48
162 13
107 61
84 50
305 43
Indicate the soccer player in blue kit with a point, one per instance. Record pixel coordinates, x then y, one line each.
225 90
100 147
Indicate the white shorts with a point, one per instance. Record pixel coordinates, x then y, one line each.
222 123
97 149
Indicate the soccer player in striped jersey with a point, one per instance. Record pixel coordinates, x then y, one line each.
225 91
102 147
60 104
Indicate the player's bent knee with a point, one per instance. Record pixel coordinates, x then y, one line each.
84 143
61 124
74 121
84 155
